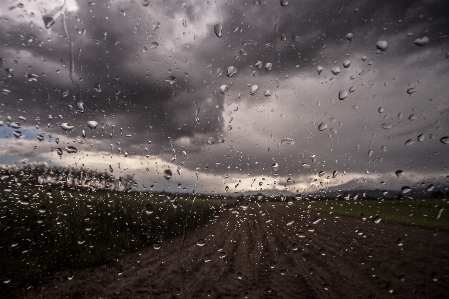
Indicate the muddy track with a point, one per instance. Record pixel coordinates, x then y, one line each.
260 253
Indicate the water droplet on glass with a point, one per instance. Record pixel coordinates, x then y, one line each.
346 63
444 140
171 79
59 151
399 173
406 189
272 264
349 36
295 38
377 219
154 45
48 21
319 69
254 89
231 71
145 2
218 30
316 220
149 209
17 134
92 124
259 64
201 242
15 125
157 246
268 66
335 70
267 93
399 243
40 137
274 165
409 142
421 137
71 149
322 126
342 94
287 141
222 255
229 127
382 45
167 174
386 126
224 89
431 187
412 117
249 42
66 126
421 41
156 25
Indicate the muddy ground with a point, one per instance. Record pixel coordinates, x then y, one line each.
271 251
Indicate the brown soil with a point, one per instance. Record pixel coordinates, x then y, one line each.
337 257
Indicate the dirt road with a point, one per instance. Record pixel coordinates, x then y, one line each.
271 251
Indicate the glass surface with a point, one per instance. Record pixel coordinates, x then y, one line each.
223 149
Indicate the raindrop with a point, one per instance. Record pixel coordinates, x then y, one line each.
267 93
412 117
421 137
48 21
145 2
15 125
201 242
268 66
430 188
218 30
229 127
409 142
295 247
319 69
444 140
97 87
219 72
386 126
92 124
421 41
66 126
322 126
346 63
71 149
227 188
287 141
342 94
40 137
399 173
316 220
399 243
382 45
411 90
184 23
154 45
156 25
284 2
59 151
239 275
149 209
321 173
17 134
295 38
254 89
272 264
335 70
377 219
349 36
224 89
167 174
406 189
157 246
249 42
259 64
171 79
275 165
231 71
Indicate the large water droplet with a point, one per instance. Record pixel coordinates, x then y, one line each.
377 219
287 141
154 45
406 189
268 66
430 188
349 36
17 134
48 21
231 71
171 79
342 94
409 142
322 126
346 63
319 69
167 174
218 30
382 45
15 125
224 89
335 70
421 137
92 124
71 149
284 2
149 209
156 25
254 89
444 140
66 126
201 242
421 41
399 173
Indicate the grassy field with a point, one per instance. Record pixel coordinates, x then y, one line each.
43 230
431 214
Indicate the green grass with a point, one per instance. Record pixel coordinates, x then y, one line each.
43 231
418 213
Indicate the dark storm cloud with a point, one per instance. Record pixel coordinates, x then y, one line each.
112 52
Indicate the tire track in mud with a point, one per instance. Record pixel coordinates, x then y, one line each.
258 252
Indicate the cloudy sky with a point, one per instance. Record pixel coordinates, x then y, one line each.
267 95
